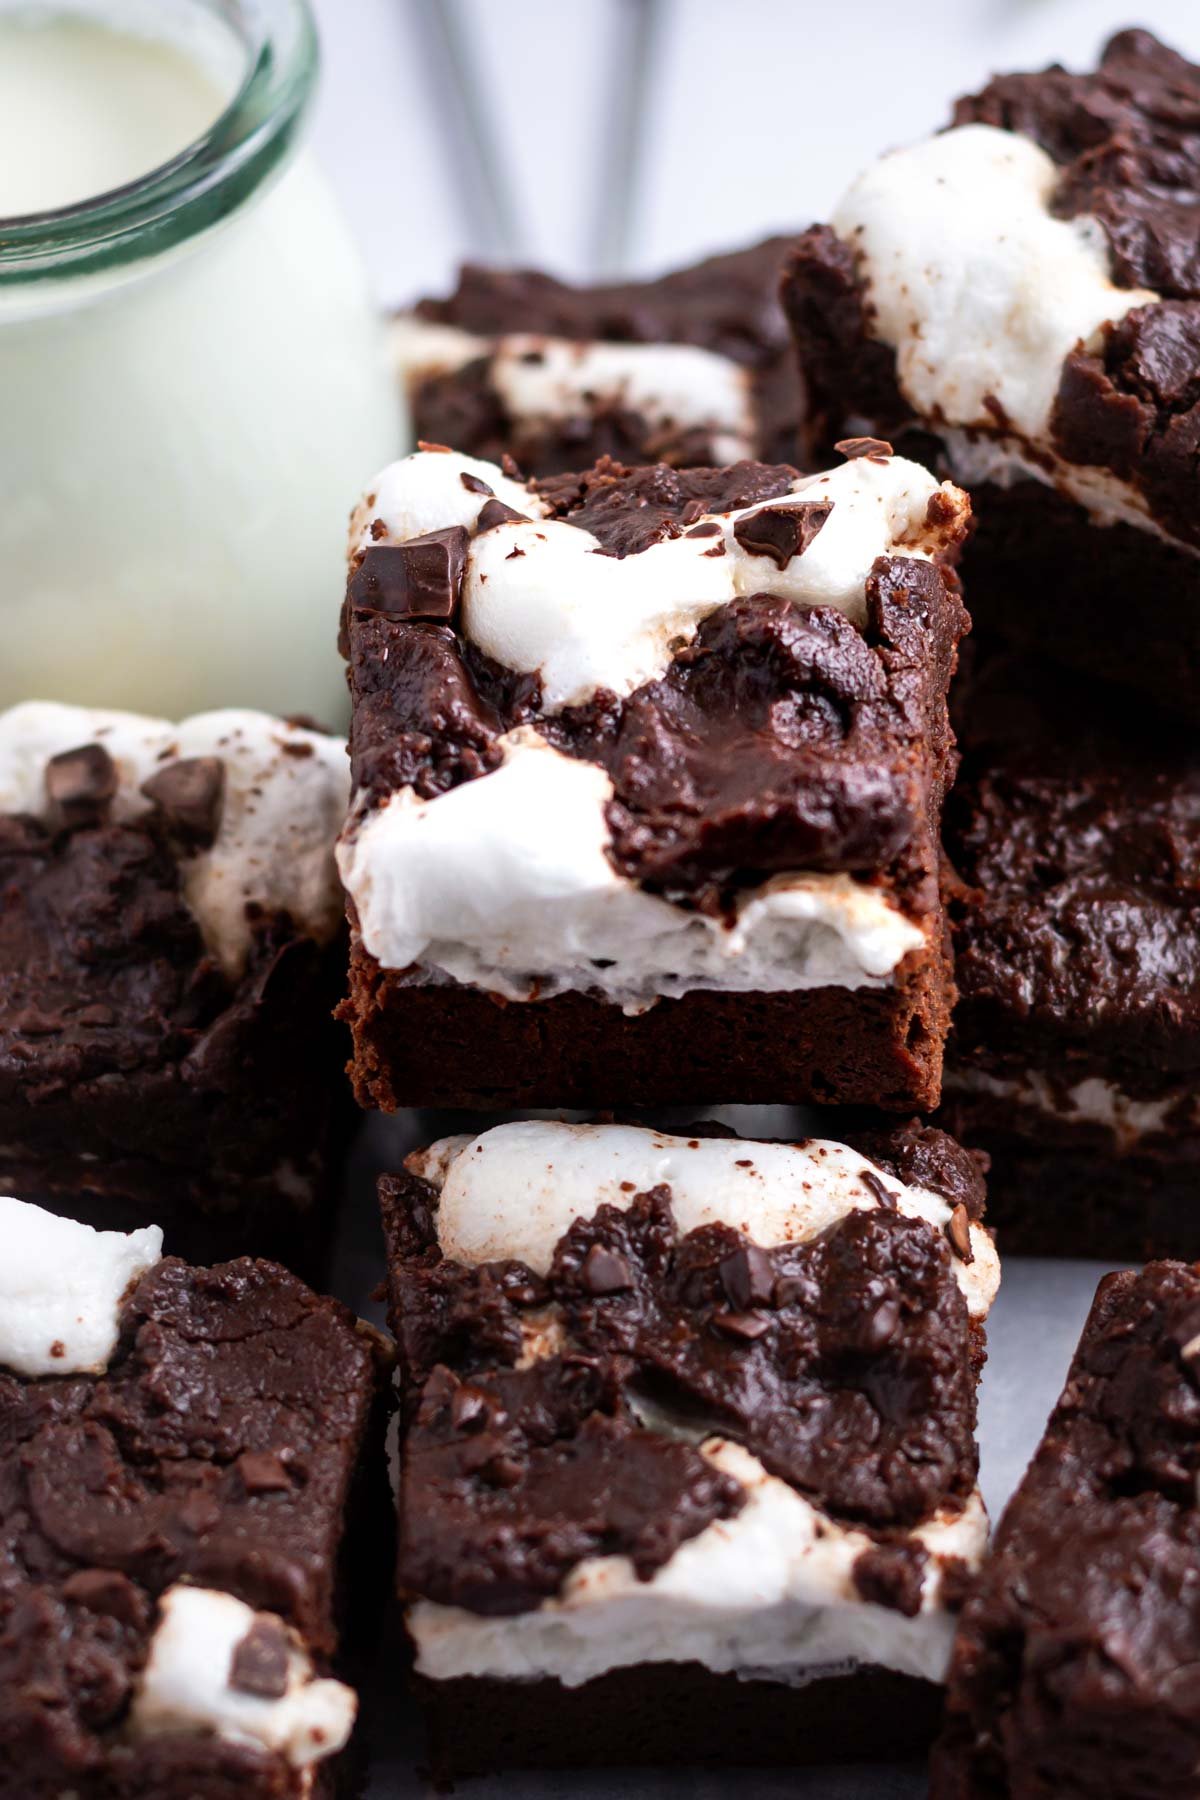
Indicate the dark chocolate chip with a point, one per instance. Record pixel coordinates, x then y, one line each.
782 532
878 449
260 1661
747 1327
958 1230
494 512
80 784
710 528
747 1278
469 1409
604 1272
190 795
263 1472
874 1185
690 511
105 1591
473 484
419 579
879 1327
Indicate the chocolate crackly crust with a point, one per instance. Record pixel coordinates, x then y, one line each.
781 738
847 1365
221 1447
1073 1671
138 1080
1125 138
727 304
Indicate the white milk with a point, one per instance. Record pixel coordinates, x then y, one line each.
180 437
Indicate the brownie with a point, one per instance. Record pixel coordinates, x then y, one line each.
1073 1665
185 1456
171 949
1018 301
687 1460
693 367
1074 1058
648 768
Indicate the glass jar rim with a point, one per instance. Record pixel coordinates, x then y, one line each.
205 181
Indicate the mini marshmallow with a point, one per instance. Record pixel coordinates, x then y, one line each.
61 1288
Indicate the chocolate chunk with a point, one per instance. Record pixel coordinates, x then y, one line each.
260 1661
892 1575
782 532
419 579
263 1472
879 1327
80 784
874 1185
710 528
473 484
190 796
495 512
878 449
108 1592
604 1272
958 1230
469 1409
198 1512
746 1327
748 1278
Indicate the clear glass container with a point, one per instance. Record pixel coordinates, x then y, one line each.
193 390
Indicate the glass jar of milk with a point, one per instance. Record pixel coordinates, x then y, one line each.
192 376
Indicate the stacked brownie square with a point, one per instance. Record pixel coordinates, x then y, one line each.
1018 300
648 774
186 1480
694 367
688 1469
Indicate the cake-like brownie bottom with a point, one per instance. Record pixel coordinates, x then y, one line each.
675 1713
1115 601
443 1045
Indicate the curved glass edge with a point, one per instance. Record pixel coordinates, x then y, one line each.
199 187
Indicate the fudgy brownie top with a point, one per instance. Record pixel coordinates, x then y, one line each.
1073 1670
1075 827
728 305
217 1448
780 736
556 1414
1125 138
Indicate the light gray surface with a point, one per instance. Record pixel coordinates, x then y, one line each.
1031 1334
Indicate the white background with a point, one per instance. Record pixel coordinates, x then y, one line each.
758 112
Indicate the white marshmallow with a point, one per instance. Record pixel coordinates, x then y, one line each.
185 1686
286 791
425 492
61 1287
767 1593
503 883
980 291
515 1190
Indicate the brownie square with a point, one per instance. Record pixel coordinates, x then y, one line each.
648 771
1074 1663
693 367
186 1455
688 1469
1074 1058
171 949
1017 300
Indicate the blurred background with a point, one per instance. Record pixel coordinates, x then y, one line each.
456 128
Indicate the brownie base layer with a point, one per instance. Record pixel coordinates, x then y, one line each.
671 1713
453 1046
1113 601
1089 1201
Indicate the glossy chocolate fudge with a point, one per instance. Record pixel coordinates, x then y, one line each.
185 1456
1074 1058
688 1468
170 954
1074 1669
648 772
1017 301
692 367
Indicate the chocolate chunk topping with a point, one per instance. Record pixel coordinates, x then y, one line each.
782 532
474 485
606 1273
80 784
264 1472
630 509
495 512
958 1230
419 579
879 1189
745 1327
260 1661
190 795
878 449
748 1278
